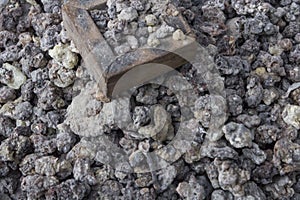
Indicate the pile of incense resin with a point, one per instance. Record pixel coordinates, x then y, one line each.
256 48
128 25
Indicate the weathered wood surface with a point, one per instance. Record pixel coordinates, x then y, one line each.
93 48
107 68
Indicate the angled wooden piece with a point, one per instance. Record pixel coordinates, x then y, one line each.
107 68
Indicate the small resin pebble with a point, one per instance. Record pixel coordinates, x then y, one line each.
23 111
132 41
11 76
257 155
231 177
65 138
191 189
286 151
291 115
153 42
160 128
238 135
280 188
36 185
7 94
151 20
7 126
178 35
141 116
163 31
46 165
61 76
14 148
64 56
128 14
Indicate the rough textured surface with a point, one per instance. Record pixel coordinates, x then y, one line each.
64 56
109 37
291 114
238 135
11 76
222 127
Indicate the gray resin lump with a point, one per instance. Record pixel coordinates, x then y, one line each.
238 135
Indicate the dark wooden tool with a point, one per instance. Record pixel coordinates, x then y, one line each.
106 67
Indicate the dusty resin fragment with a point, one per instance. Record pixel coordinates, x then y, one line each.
238 135
257 155
65 138
8 108
80 120
151 20
193 154
46 165
231 177
143 161
14 148
288 152
141 116
22 111
266 134
252 191
179 35
249 120
61 76
11 76
132 41
147 95
152 29
143 180
7 126
161 129
166 176
82 171
221 195
64 56
85 111
83 149
72 189
27 166
210 110
42 144
191 189
128 14
103 150
291 115
218 149
7 94
163 31
280 188
153 42
270 96
36 185
202 110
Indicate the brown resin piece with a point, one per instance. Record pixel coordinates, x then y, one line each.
104 65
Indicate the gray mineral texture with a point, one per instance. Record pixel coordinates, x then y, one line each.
238 135
222 126
291 115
